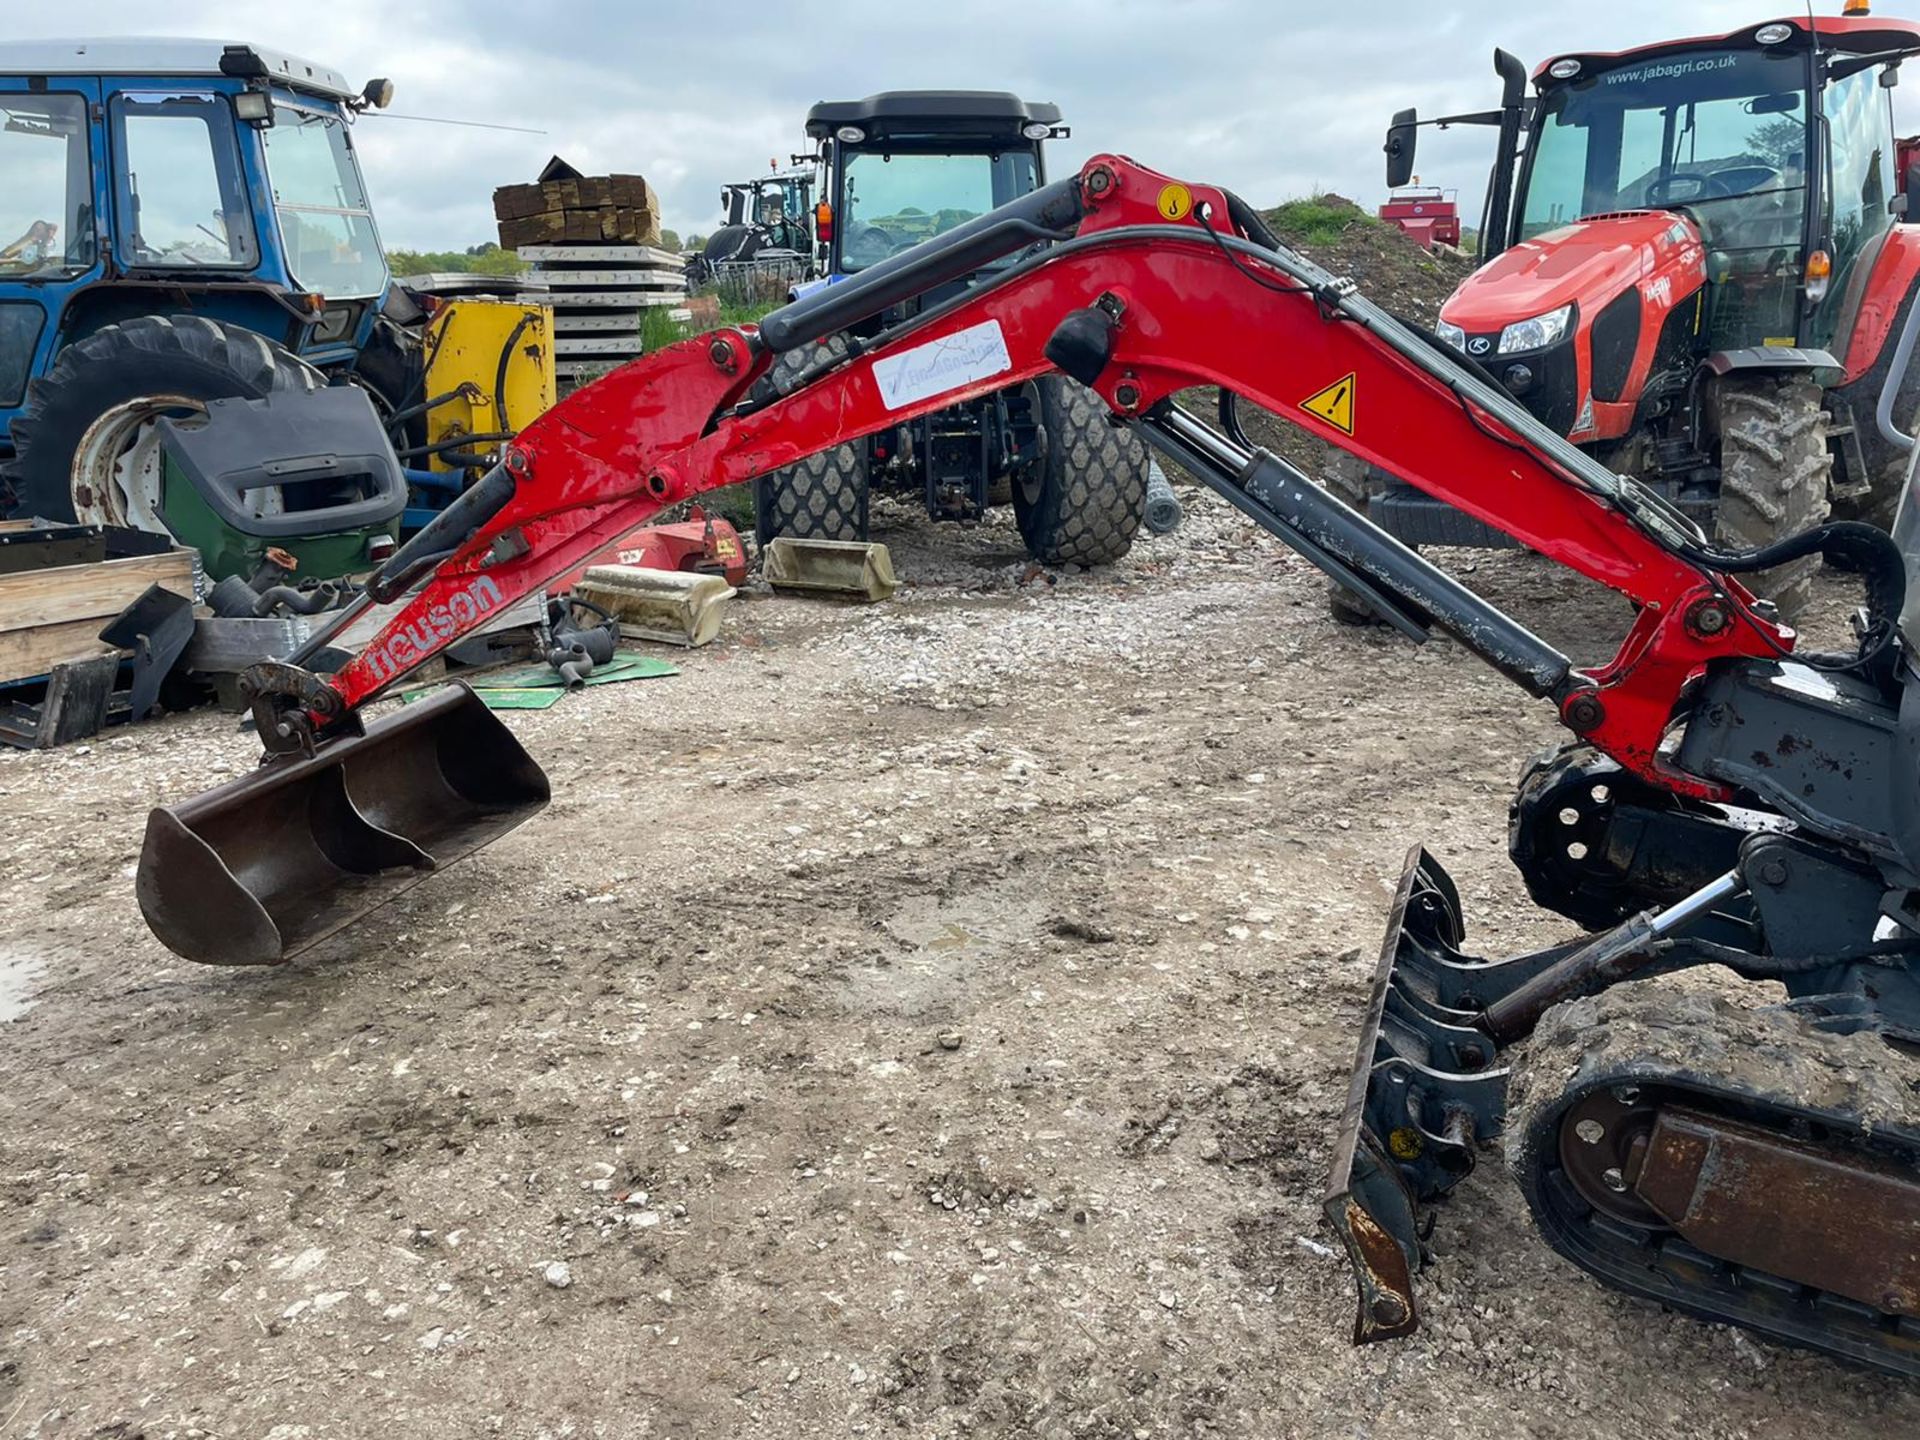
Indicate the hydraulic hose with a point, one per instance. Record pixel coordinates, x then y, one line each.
443 535
457 442
500 375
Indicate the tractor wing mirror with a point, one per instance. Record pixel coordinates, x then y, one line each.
1403 136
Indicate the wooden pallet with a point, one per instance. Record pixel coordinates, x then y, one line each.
55 614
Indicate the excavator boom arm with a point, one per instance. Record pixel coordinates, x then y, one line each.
1147 289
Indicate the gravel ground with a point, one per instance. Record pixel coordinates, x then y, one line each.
926 1020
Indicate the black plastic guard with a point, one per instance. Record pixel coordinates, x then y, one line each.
326 447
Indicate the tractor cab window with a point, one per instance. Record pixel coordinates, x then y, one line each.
46 188
1721 135
325 223
894 200
183 200
1860 177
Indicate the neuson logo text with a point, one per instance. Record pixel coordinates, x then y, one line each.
413 642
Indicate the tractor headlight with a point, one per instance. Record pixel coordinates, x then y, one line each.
849 134
1451 334
1537 333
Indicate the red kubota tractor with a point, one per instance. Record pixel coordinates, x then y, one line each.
1723 801
1694 261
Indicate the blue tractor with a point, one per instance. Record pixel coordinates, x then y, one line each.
183 222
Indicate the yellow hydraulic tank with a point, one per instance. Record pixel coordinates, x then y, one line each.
496 358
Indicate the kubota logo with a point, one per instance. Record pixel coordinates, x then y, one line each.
1479 345
409 644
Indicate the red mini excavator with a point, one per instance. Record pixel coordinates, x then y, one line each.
1724 800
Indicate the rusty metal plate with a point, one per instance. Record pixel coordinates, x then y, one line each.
1810 1214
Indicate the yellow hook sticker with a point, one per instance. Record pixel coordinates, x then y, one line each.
1176 202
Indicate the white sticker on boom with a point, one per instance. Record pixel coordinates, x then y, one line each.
976 353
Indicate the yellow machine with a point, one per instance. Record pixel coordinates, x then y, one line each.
489 374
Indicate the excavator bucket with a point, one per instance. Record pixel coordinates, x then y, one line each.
672 607
258 870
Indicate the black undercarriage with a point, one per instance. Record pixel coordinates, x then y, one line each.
1756 1165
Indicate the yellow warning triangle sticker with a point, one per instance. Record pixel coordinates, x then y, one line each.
1334 404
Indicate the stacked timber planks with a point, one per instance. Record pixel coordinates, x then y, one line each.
598 293
564 207
57 594
594 244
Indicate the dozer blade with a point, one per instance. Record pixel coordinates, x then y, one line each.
855 569
258 870
1425 1092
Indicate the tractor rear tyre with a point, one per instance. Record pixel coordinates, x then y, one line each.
1083 500
1774 472
1344 476
85 447
823 497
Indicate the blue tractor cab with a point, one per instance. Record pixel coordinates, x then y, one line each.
183 222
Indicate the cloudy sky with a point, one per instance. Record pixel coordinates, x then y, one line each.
1270 97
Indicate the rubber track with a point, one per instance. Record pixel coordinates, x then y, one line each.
1766 1066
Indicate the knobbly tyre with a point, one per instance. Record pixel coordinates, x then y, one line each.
1724 800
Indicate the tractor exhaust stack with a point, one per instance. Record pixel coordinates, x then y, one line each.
257 871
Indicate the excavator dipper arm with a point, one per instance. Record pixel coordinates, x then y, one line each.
1143 288
1136 285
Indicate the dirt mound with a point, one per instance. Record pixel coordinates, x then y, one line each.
1389 267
